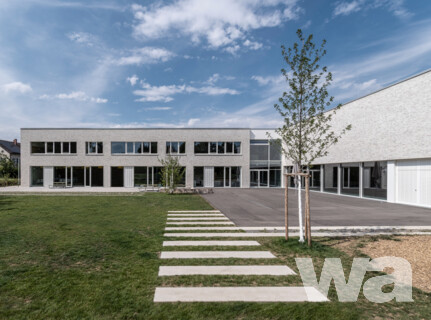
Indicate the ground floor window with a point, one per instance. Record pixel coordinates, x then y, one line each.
198 177
36 176
330 183
350 179
147 176
117 177
375 179
227 177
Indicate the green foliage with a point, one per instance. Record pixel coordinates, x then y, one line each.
8 169
171 173
306 133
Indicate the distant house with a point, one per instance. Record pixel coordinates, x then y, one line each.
12 149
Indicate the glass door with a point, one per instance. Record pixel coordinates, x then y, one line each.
258 178
263 178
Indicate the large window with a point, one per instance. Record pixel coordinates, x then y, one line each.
375 179
117 177
147 176
94 147
265 163
350 179
198 176
53 147
175 147
134 147
36 176
330 183
227 177
219 147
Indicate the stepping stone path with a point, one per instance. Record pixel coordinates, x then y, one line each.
223 294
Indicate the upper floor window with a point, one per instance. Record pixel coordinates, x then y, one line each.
218 147
94 147
134 147
175 147
53 147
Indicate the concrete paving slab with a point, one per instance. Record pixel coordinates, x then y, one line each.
196 215
216 254
201 228
192 211
245 294
198 219
226 243
225 270
201 223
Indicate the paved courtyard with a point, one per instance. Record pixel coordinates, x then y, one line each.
265 207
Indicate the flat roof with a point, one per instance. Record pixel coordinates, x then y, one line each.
146 128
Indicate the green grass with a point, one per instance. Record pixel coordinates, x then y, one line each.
96 257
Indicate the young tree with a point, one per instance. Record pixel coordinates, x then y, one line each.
171 173
7 167
306 133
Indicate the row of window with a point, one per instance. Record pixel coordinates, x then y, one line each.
218 147
133 147
172 147
374 179
53 147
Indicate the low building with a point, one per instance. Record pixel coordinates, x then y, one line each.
386 155
11 149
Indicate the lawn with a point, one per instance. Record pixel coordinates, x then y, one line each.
96 257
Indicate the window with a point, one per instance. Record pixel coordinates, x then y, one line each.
37 176
117 177
201 147
37 147
134 147
375 179
350 179
330 174
141 177
66 147
237 147
53 147
118 147
94 147
174 147
57 147
198 176
227 177
220 147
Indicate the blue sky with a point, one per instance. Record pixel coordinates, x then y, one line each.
191 63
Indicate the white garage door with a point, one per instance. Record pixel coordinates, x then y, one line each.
414 182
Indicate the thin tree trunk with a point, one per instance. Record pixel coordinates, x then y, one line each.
301 228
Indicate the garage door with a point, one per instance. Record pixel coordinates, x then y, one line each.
414 182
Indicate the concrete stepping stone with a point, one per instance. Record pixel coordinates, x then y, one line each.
227 234
202 223
225 270
216 254
196 215
210 243
245 294
201 228
199 219
193 211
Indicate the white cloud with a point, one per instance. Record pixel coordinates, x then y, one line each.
273 80
145 55
16 87
82 38
165 92
253 45
192 122
396 7
158 108
217 77
220 23
132 80
346 8
75 95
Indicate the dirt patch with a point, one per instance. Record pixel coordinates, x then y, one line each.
415 249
